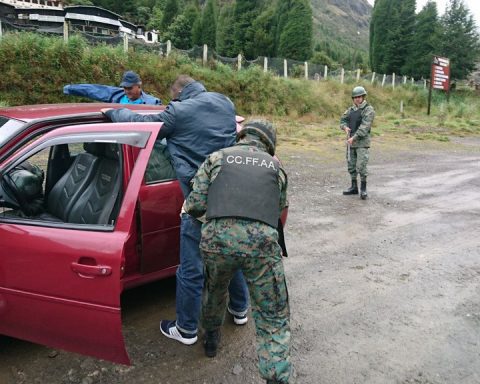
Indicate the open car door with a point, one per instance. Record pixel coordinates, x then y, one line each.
59 279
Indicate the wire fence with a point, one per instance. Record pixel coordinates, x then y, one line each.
280 67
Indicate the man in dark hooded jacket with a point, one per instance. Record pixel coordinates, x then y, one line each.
195 124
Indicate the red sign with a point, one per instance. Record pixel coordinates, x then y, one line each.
441 73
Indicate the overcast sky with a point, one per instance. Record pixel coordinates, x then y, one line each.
473 5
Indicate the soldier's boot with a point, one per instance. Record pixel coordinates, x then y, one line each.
353 190
210 343
363 189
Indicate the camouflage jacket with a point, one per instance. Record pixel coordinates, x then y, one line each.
233 236
362 136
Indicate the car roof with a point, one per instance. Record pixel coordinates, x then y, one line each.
40 111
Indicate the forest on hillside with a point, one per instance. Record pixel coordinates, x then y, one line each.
402 41
271 28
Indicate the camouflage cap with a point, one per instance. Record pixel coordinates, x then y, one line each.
264 130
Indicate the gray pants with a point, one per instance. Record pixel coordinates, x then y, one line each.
358 163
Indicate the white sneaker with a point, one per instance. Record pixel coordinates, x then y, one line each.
169 329
237 319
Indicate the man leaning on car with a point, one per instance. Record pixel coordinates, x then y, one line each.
195 124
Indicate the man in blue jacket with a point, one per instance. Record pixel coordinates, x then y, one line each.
195 124
129 92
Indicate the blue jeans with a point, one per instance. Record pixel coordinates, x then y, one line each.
190 276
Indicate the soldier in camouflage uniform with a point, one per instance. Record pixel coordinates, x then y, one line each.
357 123
241 191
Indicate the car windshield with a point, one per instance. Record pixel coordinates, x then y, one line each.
8 129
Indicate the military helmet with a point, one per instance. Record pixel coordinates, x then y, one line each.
264 130
359 91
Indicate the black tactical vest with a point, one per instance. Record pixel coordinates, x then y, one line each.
355 119
246 187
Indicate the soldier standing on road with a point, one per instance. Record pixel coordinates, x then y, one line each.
357 123
240 232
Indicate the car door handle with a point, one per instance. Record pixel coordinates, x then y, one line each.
91 271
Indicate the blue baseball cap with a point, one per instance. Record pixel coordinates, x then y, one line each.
129 79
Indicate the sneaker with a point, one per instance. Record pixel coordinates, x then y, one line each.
237 319
210 343
169 329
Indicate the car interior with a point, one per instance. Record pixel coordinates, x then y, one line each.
83 187
78 183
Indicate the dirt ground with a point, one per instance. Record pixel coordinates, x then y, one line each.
385 290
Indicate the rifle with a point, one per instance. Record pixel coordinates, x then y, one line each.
348 146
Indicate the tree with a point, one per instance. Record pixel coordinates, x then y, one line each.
260 36
379 27
295 39
245 12
155 21
209 25
426 41
460 39
225 32
169 13
180 32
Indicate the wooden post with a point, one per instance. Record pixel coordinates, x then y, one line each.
342 75
358 75
205 54
401 107
393 80
373 77
265 64
65 31
383 80
325 72
239 61
306 70
285 68
169 47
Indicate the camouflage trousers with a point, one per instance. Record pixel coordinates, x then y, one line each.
358 163
269 297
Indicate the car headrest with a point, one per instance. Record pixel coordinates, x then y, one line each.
112 151
97 149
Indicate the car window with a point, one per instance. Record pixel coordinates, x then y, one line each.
160 165
71 185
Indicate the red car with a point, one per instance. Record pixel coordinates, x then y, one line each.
88 208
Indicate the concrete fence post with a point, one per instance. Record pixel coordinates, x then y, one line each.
325 72
404 79
125 43
239 61
285 68
205 54
169 47
424 83
373 77
358 75
383 80
265 64
1 30
413 81
65 31
342 75
393 80
306 70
